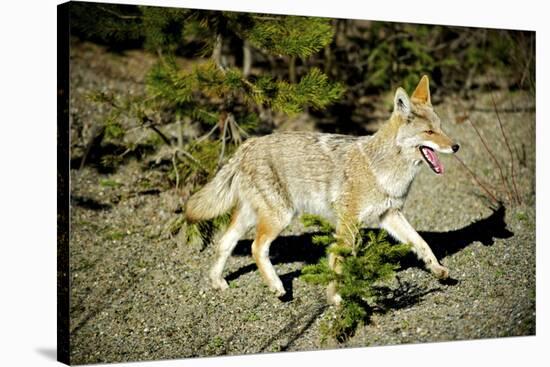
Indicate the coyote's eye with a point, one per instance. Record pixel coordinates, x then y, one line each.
429 132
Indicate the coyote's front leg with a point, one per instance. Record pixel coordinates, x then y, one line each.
395 223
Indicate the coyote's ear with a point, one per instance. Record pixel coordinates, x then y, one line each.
401 102
422 92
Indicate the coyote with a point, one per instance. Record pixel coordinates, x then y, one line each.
366 179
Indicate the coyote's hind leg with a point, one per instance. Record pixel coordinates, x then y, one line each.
242 219
267 230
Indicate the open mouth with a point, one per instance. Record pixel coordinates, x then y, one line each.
431 159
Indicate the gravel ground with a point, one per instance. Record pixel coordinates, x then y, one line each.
137 294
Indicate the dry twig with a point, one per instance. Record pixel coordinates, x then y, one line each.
479 183
517 195
504 182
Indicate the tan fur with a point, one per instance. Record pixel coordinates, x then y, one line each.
266 232
422 92
273 178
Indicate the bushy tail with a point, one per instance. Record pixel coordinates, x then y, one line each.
217 196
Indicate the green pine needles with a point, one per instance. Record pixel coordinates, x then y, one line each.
182 89
289 35
367 260
211 79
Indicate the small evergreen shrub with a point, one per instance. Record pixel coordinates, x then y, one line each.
367 260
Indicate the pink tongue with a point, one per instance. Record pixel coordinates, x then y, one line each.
432 157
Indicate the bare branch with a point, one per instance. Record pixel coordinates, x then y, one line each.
205 136
179 123
504 182
148 122
473 175
176 168
226 122
161 134
217 51
247 59
235 130
191 158
518 197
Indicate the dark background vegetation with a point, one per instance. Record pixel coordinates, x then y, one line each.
370 56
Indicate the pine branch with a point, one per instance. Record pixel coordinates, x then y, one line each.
290 35
479 183
121 16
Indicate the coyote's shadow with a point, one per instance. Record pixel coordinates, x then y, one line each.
484 230
286 249
443 244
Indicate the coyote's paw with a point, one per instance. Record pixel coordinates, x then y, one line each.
440 272
278 289
218 282
333 297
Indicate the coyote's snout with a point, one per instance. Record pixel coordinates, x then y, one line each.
343 178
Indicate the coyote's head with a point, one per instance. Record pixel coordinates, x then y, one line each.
419 134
